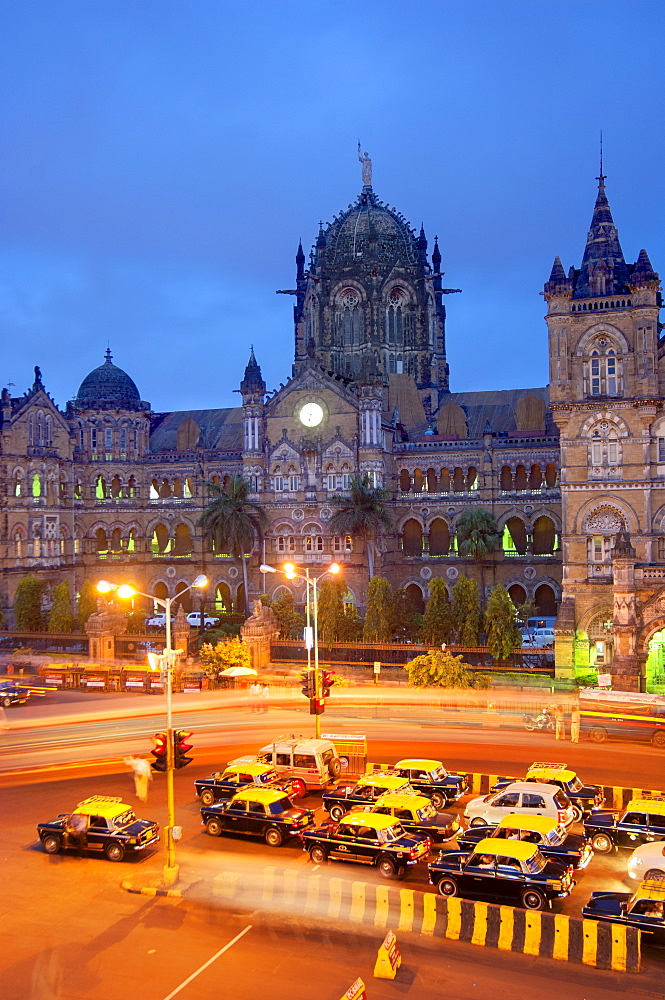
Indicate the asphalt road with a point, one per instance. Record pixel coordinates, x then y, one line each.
71 933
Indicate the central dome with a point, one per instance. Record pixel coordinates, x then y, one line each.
369 230
109 387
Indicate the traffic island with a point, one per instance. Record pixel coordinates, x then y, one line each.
154 885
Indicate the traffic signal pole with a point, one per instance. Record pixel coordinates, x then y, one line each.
317 676
171 869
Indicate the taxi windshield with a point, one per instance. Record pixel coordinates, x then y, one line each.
535 864
427 812
391 833
556 836
439 773
124 819
575 785
267 777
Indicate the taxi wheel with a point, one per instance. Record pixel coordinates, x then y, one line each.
438 801
602 843
52 844
533 900
299 789
658 739
273 837
387 868
336 813
213 827
207 797
447 887
597 734
318 855
578 814
6 702
477 821
654 873
114 852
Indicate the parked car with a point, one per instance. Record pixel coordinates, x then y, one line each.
367 839
642 909
642 820
432 779
224 784
648 861
257 812
312 764
12 693
502 871
552 839
194 619
345 797
521 796
541 638
101 823
157 621
585 799
417 814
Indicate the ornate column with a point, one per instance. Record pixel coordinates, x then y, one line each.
258 632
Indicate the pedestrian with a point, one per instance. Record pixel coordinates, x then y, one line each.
142 775
254 695
77 829
265 695
559 719
575 725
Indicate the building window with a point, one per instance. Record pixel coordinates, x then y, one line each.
279 484
286 543
93 438
313 543
661 450
603 371
293 484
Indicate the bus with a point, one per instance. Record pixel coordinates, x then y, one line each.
625 715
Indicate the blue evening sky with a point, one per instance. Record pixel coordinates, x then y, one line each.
161 159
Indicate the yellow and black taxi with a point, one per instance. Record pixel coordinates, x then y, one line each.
12 693
431 778
502 871
643 909
342 798
642 821
417 814
257 812
101 823
546 833
367 839
584 799
239 774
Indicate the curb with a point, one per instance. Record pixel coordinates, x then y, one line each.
152 890
506 928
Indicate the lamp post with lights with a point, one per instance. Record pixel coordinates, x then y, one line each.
290 572
125 591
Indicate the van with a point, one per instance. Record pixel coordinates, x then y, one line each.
534 623
311 764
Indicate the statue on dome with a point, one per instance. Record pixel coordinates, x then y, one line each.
364 158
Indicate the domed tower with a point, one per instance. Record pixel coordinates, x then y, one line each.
111 419
370 291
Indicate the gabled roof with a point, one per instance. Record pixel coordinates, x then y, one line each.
221 430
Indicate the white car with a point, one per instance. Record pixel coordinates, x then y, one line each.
157 621
194 618
521 797
542 638
648 861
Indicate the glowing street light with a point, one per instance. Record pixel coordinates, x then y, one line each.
126 591
290 571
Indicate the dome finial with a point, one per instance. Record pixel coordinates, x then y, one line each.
108 355
367 166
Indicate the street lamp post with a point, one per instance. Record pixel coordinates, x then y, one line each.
125 591
289 571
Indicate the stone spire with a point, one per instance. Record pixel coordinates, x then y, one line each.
300 261
603 270
253 380
643 273
558 282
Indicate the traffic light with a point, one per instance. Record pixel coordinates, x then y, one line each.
180 748
161 752
316 706
327 681
307 683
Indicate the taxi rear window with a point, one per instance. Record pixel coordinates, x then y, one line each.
125 818
280 806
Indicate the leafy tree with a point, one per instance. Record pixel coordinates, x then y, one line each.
362 514
291 622
330 611
466 613
502 632
230 652
379 612
351 626
86 604
437 620
28 612
61 615
441 669
478 535
233 522
408 619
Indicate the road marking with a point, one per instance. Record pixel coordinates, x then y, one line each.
209 962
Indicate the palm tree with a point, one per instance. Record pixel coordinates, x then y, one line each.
232 522
478 535
362 514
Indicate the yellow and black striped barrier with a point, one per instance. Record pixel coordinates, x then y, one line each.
506 928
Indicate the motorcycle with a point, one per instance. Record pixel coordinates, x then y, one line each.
539 723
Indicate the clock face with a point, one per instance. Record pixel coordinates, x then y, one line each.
311 415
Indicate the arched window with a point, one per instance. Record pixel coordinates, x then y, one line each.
222 597
40 429
545 601
506 479
286 543
415 595
131 540
184 595
131 487
102 544
160 540
31 430
517 594
18 480
48 432
116 540
100 488
604 450
36 486
108 438
603 369
412 538
517 535
182 545
395 327
404 480
116 486
544 536
188 489
439 537
342 543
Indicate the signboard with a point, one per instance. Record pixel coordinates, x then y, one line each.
134 682
308 634
191 686
604 680
356 991
377 666
53 679
95 682
388 959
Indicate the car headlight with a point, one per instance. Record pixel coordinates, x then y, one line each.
635 862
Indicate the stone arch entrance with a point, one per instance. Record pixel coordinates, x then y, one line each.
651 653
